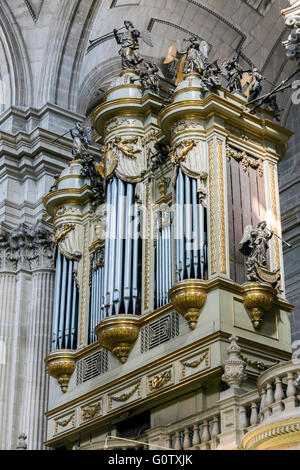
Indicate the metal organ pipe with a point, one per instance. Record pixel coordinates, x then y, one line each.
128 247
180 223
112 249
195 228
188 225
120 222
163 271
68 305
74 316
57 291
191 246
107 245
115 286
135 259
65 315
62 303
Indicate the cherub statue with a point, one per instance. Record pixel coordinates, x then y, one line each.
82 137
149 77
129 42
255 87
192 58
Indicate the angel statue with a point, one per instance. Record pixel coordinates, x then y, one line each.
192 58
233 73
255 87
196 53
129 42
82 137
211 76
256 241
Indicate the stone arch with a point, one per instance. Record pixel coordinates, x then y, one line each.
69 38
16 58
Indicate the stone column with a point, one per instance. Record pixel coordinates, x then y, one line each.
26 291
37 348
7 332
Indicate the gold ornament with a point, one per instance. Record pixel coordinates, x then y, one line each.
258 298
118 334
188 297
60 364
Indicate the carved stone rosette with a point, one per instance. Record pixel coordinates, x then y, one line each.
188 297
60 364
258 298
118 334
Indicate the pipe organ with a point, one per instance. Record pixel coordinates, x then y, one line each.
154 275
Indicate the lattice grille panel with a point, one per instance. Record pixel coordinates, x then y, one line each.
91 366
159 332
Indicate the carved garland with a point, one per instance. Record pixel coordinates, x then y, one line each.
255 364
197 362
245 159
125 396
64 422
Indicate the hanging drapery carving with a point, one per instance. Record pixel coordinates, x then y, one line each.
68 238
190 156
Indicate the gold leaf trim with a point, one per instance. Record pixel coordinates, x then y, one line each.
221 208
213 249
